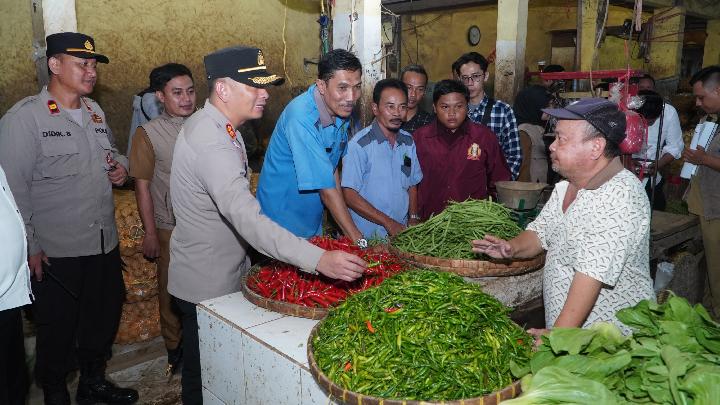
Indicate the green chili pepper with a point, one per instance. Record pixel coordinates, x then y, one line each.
450 341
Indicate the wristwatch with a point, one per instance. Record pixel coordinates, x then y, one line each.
362 243
415 217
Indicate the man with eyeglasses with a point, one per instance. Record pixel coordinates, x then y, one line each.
61 163
471 69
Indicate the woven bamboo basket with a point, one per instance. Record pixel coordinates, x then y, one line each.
282 307
350 397
474 268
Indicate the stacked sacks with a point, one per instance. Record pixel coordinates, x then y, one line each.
140 319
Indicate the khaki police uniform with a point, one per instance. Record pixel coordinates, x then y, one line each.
151 159
57 171
216 219
216 215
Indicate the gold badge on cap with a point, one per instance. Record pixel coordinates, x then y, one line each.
261 59
88 45
474 152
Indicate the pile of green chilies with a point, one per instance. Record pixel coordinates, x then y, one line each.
421 335
448 234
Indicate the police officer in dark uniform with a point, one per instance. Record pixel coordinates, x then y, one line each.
61 163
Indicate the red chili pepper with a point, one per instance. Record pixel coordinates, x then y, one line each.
319 299
391 310
348 366
369 326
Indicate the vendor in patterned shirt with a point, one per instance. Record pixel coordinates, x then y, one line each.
472 69
595 227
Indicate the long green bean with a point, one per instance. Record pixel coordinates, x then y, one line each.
449 233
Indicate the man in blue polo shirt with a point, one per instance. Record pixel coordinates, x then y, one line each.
300 172
381 170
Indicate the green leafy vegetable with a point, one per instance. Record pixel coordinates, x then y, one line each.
672 358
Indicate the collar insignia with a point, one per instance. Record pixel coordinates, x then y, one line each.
230 131
53 107
96 118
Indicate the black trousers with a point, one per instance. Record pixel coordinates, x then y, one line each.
81 327
659 203
14 381
191 378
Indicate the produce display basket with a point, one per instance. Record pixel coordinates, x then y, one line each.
350 397
513 194
473 268
282 307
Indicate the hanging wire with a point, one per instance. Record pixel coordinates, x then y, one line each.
284 40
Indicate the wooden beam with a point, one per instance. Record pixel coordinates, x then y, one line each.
49 17
419 6
357 27
38 42
510 48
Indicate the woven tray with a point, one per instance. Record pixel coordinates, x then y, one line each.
473 268
282 307
350 397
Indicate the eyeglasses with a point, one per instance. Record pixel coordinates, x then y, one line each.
477 77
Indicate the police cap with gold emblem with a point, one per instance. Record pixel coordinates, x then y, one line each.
242 64
75 44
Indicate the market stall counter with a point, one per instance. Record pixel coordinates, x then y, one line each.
251 355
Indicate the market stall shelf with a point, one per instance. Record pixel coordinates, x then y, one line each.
349 397
473 268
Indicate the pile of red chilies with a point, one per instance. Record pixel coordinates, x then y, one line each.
284 282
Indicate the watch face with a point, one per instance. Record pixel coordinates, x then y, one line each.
474 35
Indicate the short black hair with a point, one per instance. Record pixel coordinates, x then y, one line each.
448 86
420 69
388 84
646 76
553 69
467 58
653 104
161 75
337 59
706 75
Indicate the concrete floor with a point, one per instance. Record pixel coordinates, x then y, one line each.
140 366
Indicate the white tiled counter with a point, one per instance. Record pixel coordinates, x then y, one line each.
251 355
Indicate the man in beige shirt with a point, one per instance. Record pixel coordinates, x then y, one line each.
150 162
217 218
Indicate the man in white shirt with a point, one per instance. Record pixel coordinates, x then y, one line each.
14 293
595 227
658 112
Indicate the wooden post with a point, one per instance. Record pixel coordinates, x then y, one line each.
49 17
666 48
357 27
711 53
510 48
